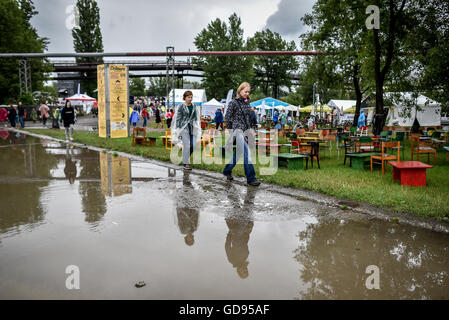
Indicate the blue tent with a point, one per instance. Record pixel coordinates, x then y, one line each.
269 102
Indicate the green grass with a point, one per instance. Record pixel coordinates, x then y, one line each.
332 179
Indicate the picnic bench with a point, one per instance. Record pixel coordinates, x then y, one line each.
410 173
357 160
291 161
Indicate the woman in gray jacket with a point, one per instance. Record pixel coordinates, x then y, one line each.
187 127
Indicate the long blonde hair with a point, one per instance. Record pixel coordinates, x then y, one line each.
242 86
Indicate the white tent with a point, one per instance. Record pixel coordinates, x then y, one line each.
342 104
209 108
404 112
199 96
82 100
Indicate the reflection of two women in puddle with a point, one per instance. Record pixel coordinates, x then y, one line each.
239 220
70 165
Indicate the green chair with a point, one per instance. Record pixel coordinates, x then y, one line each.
366 144
400 137
384 136
353 130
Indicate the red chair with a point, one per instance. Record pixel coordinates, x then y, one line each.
296 146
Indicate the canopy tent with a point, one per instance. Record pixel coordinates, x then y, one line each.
199 96
308 109
82 100
350 110
343 105
404 110
267 105
209 108
269 102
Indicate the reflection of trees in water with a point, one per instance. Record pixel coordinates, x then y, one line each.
414 263
21 199
92 200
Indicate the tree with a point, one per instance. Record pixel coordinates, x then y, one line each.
272 72
222 73
137 87
338 31
24 38
87 38
386 43
157 86
430 45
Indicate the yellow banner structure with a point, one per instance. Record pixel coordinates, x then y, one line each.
115 175
113 114
101 101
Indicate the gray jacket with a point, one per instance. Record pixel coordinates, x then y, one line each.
183 117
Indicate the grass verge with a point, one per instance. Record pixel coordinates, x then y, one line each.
332 179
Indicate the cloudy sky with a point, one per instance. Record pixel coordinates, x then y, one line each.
152 25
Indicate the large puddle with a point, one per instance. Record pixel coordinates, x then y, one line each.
190 237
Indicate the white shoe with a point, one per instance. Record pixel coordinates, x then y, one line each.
71 139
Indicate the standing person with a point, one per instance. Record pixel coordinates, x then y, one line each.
68 117
134 118
219 119
145 115
3 115
158 117
283 119
21 113
43 109
169 117
56 115
34 114
310 123
275 117
187 126
253 118
238 120
12 115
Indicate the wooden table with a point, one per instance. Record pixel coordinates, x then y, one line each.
410 173
291 161
447 153
357 160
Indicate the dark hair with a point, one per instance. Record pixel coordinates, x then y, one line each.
66 102
186 94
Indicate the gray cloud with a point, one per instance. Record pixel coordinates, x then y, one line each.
286 20
152 25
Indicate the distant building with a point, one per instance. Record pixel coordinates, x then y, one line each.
67 88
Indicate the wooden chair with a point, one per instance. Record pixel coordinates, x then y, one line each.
350 148
139 136
206 139
296 146
422 147
384 156
168 144
300 132
365 144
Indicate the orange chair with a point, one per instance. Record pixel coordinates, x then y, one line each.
168 144
300 132
386 157
139 135
419 146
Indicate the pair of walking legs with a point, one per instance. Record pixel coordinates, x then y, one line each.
242 145
69 132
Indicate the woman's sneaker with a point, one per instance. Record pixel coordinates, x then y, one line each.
254 183
187 167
